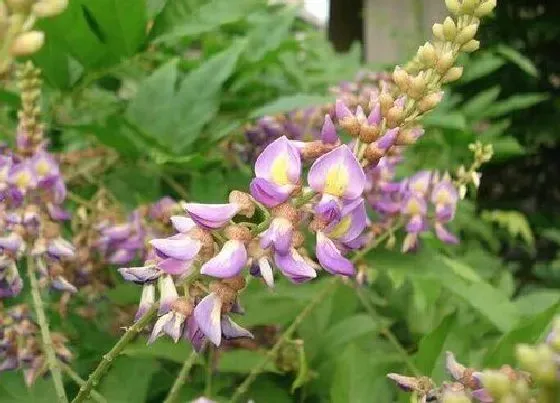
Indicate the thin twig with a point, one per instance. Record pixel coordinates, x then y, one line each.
80 382
209 372
181 378
131 332
48 347
176 186
272 353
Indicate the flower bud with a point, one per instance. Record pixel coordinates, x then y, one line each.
469 6
386 102
18 5
401 78
27 43
453 74
485 8
471 46
49 8
244 200
496 382
427 53
429 102
453 6
417 87
368 134
394 116
445 62
466 34
437 30
539 361
449 29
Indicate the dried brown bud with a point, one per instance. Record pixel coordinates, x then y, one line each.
298 239
351 124
368 134
287 211
205 237
236 283
245 201
183 306
395 116
238 233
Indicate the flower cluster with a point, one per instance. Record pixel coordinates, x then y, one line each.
32 192
20 344
16 22
120 243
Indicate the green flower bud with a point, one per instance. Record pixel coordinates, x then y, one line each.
49 8
466 34
445 62
453 74
497 383
27 43
417 87
400 76
429 102
453 6
471 46
427 53
449 29
437 30
485 8
469 6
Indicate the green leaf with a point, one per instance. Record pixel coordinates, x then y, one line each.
122 24
73 31
475 107
163 348
530 331
514 222
128 380
431 346
175 119
289 103
243 361
183 18
506 147
461 269
523 62
347 330
353 378
269 34
482 65
125 293
14 390
514 103
446 121
132 186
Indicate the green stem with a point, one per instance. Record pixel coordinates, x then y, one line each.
131 332
364 251
209 370
80 382
173 394
387 332
273 352
48 347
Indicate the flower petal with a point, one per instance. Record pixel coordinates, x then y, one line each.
193 333
269 193
279 235
167 292
231 330
294 266
331 258
182 248
208 317
60 247
266 271
140 275
182 224
279 163
212 216
228 262
338 173
328 131
444 235
146 301
175 267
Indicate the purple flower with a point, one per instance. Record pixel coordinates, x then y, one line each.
60 248
419 183
178 246
212 216
228 262
294 266
11 283
279 235
146 301
140 275
168 294
353 222
44 166
337 173
208 316
331 258
182 224
328 132
263 269
12 242
277 172
171 324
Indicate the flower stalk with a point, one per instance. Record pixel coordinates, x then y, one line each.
80 382
173 394
45 332
97 374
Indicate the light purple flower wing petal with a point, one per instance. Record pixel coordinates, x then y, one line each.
331 258
228 262
208 317
182 248
294 266
212 216
231 330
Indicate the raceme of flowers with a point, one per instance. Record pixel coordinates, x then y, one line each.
537 381
319 187
20 344
32 191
